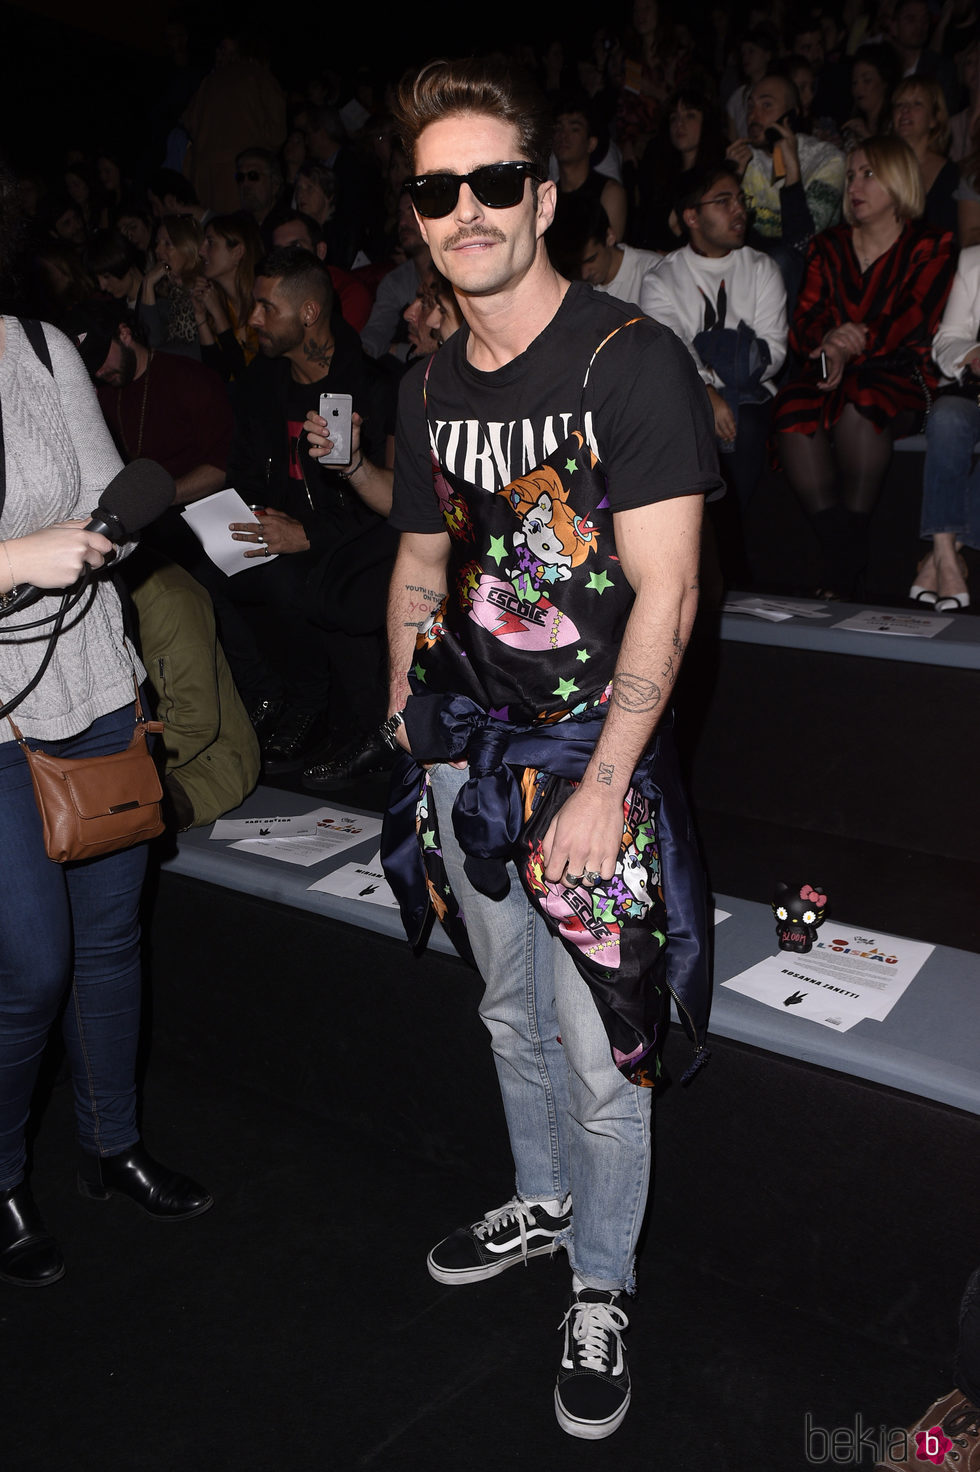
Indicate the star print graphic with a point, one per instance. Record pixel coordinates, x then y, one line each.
599 582
418 672
571 466
565 689
582 655
498 549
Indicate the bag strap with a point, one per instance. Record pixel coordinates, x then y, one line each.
140 717
34 332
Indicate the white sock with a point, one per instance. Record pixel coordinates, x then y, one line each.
550 1204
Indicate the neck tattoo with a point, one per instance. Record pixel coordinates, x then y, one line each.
318 354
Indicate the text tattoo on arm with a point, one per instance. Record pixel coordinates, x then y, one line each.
672 662
425 602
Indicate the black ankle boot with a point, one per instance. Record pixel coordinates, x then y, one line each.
29 1257
161 1193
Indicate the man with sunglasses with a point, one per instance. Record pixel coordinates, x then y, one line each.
551 462
259 180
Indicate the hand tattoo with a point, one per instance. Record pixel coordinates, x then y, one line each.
635 694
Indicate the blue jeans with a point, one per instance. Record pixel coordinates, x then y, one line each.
951 481
575 1123
67 928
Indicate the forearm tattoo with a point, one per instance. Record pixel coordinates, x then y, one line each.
635 694
606 773
423 602
672 662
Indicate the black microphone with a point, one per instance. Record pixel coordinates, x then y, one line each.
140 493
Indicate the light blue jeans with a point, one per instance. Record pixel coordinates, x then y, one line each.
575 1123
951 482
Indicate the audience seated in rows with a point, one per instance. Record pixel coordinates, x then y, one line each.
730 147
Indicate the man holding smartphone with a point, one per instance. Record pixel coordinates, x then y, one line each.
325 528
793 183
550 470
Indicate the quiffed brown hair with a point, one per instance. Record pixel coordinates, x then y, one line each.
476 85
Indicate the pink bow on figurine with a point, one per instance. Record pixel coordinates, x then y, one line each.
808 893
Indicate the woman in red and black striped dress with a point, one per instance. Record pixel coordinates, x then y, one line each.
871 301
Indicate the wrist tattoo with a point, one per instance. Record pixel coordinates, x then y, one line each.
635 694
426 592
606 773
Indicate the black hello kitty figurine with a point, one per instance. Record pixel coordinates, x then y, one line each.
798 913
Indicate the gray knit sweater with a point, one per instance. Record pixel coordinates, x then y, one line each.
59 458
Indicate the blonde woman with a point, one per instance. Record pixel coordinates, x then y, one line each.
920 117
872 296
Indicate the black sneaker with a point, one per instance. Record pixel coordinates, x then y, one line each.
265 717
507 1235
364 756
592 1395
296 738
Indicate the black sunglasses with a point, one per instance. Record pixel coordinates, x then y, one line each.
498 186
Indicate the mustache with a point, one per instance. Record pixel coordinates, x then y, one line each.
487 232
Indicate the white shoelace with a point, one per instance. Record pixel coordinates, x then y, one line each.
516 1211
591 1328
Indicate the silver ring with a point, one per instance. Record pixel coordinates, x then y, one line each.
266 552
592 876
573 878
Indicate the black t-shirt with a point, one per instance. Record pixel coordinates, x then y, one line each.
270 462
646 412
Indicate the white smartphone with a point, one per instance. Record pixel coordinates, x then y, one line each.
336 410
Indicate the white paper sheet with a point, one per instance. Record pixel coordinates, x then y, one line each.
209 519
850 973
229 829
334 831
775 610
881 621
365 882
